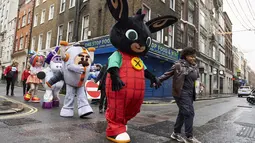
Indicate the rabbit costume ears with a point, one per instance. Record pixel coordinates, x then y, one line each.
119 10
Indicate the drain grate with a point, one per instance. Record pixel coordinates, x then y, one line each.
19 121
247 132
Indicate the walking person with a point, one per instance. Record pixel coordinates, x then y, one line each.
11 74
185 73
24 77
102 78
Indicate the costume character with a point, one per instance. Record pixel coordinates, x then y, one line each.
37 62
75 71
125 83
51 96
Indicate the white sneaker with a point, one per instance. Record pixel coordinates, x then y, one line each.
177 137
192 140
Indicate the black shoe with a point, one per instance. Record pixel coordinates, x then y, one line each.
12 94
100 110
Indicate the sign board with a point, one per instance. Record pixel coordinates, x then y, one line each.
157 49
91 89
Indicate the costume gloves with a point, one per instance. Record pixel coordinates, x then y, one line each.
117 83
154 80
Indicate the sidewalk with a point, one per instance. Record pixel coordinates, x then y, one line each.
9 107
200 98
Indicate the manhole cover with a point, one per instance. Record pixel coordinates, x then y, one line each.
98 127
20 121
247 132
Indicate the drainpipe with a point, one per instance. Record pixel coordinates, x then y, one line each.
76 22
31 27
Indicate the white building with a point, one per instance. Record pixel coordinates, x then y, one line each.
8 14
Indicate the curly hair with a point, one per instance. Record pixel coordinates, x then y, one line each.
187 52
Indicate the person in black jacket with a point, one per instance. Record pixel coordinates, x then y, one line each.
102 77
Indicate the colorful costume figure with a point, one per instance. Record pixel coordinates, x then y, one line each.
75 71
125 83
37 62
51 96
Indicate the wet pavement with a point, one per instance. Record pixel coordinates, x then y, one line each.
226 120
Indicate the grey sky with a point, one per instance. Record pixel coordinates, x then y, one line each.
242 18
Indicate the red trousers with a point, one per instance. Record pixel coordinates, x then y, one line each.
123 105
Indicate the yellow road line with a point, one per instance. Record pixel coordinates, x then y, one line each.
31 111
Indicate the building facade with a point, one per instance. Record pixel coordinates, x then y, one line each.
45 27
228 54
23 33
8 12
236 69
94 23
211 54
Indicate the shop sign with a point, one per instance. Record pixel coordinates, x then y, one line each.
156 49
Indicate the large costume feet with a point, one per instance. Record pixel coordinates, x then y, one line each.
85 111
35 99
66 112
27 97
47 105
55 103
121 138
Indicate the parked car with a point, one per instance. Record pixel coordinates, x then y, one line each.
244 91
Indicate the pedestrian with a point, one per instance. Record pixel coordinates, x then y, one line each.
24 77
11 74
102 78
96 70
185 74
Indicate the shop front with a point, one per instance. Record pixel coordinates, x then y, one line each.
159 59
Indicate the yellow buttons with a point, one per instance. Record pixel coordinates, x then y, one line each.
137 63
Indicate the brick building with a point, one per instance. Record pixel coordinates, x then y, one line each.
44 28
23 33
228 53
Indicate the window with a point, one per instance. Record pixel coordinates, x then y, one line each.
172 4
1 51
17 45
48 40
70 31
24 20
202 45
164 1
222 58
190 16
160 36
43 16
51 12
19 23
190 41
35 20
214 53
62 6
37 2
60 34
171 36
202 18
85 28
182 10
28 17
72 3
3 10
26 43
21 43
33 43
7 56
147 12
40 42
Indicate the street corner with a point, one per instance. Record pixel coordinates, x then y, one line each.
9 107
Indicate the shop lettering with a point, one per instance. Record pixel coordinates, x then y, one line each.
97 43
